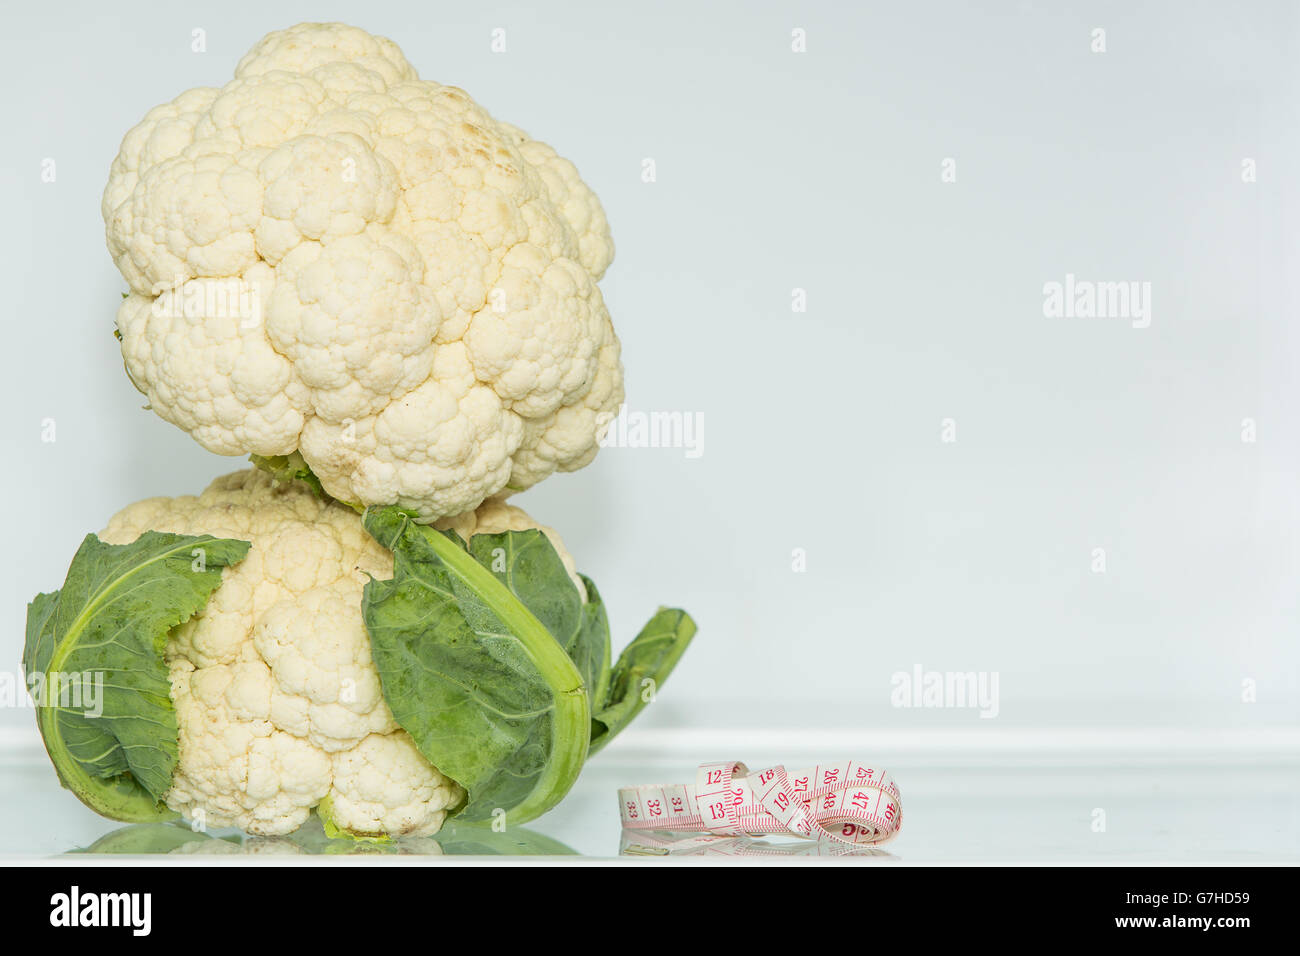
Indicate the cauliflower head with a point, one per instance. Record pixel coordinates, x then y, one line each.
331 256
278 702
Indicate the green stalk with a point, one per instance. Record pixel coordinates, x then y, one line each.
113 797
571 723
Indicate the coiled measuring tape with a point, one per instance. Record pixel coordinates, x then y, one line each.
848 803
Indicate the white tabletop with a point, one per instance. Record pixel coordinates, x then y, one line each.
1113 796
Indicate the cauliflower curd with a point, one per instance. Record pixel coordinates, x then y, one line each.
278 703
415 307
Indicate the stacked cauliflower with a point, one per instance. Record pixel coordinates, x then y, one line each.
333 257
278 702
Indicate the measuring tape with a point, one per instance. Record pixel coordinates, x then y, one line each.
849 803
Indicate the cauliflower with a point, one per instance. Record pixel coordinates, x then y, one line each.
264 651
331 257
388 300
278 702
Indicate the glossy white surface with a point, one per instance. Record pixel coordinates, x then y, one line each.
1167 797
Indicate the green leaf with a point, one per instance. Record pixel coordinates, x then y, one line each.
94 660
485 690
640 672
288 468
595 644
492 662
527 564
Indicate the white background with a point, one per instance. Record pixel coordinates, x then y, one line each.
821 171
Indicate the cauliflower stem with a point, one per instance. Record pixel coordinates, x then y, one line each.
292 467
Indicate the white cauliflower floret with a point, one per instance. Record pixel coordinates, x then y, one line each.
382 786
414 283
277 698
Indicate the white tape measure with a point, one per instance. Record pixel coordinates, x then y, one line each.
849 803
